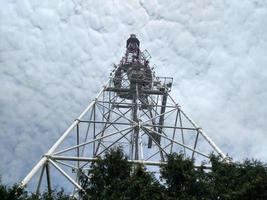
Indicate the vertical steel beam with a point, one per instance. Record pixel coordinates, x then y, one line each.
195 145
40 180
48 179
161 118
182 130
174 130
149 145
136 120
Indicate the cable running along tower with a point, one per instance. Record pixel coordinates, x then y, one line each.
134 110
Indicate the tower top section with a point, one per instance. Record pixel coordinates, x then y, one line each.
132 43
134 72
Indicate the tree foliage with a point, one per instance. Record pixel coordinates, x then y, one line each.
238 181
108 176
182 179
111 177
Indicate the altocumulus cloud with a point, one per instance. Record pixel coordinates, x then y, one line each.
55 56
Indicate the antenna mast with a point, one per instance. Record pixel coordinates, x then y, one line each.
134 110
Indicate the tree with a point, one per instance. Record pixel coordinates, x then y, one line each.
182 179
238 181
143 185
12 193
108 176
112 177
16 193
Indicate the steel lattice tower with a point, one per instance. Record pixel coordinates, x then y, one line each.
134 110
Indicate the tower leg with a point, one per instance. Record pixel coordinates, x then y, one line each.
48 179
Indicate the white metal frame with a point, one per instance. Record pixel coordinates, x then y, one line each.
110 122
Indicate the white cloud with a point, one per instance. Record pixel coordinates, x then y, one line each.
53 52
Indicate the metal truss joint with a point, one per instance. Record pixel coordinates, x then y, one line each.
48 156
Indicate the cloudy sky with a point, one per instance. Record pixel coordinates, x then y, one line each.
55 55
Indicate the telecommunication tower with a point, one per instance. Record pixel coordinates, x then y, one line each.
133 110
